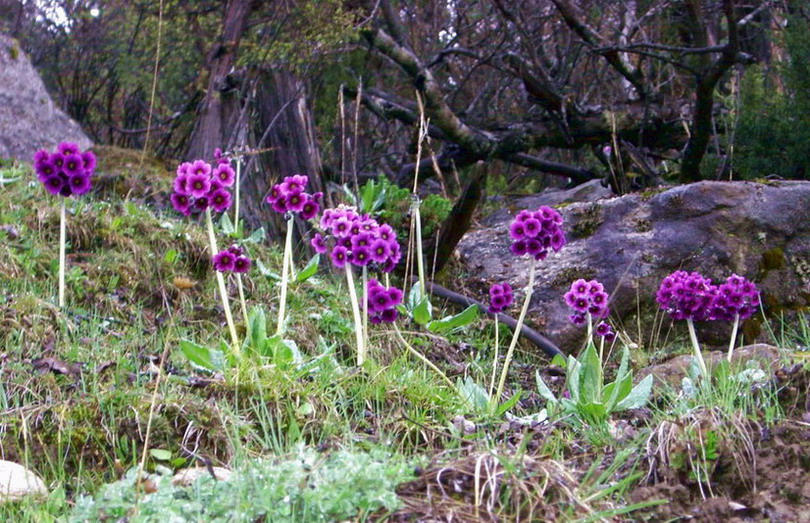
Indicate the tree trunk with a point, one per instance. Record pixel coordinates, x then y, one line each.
285 131
220 108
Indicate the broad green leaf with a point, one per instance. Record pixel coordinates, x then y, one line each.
590 375
414 296
543 390
617 391
573 378
508 404
473 394
593 412
257 328
423 311
269 346
204 357
256 236
558 360
448 323
310 269
638 396
226 224
160 454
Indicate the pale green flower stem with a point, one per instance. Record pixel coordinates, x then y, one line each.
62 256
696 347
422 358
285 270
358 322
516 333
495 358
242 298
733 336
223 293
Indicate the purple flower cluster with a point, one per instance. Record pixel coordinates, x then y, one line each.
589 297
198 186
66 172
357 239
232 259
586 297
290 196
382 302
500 297
692 296
535 233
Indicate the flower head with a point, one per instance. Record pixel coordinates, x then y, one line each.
587 297
737 297
500 297
687 296
382 302
365 241
536 233
66 172
224 261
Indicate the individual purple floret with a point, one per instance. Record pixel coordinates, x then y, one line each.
586 297
224 261
358 239
687 296
67 172
536 233
500 297
382 302
736 298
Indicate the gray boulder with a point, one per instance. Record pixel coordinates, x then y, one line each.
29 120
629 243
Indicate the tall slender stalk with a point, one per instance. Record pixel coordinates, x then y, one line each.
518 327
236 194
420 264
62 256
494 359
358 322
285 269
242 301
422 358
733 336
223 292
696 347
365 306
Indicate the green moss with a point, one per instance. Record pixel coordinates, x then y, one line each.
588 221
772 259
566 276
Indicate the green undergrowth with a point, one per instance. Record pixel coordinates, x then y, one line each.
81 388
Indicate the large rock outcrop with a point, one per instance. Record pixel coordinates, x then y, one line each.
29 120
629 243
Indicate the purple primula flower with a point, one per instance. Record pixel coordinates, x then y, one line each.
224 261
200 205
587 297
500 297
382 302
198 184
225 174
200 168
310 209
236 250
79 184
687 296
181 203
89 160
241 264
64 172
367 243
68 148
340 256
535 233
737 297
220 200
319 244
603 329
361 256
73 165
294 202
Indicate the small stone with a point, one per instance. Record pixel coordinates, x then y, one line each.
186 477
17 482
